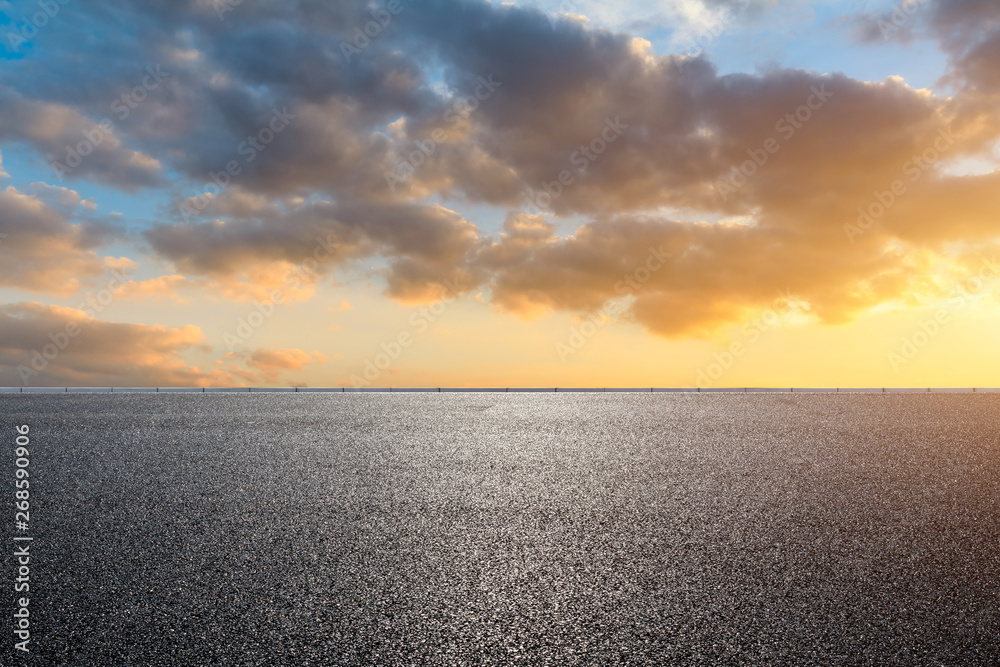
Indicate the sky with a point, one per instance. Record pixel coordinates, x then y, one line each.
542 193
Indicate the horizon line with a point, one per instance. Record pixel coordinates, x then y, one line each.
538 390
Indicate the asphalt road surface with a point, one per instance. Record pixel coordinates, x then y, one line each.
500 529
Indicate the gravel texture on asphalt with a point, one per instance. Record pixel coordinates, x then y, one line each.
498 529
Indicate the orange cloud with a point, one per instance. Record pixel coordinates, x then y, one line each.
40 250
344 305
689 279
272 363
43 345
161 287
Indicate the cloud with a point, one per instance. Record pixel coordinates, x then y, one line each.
74 145
633 133
428 247
344 305
161 287
272 363
42 345
56 196
681 279
683 126
122 264
746 180
3 173
686 18
40 250
970 31
357 120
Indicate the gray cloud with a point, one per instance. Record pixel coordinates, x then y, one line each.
425 245
79 146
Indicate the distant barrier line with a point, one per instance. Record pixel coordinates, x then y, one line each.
395 390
